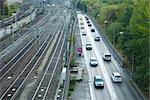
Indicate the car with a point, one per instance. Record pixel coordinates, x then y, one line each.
89 25
81 23
87 18
97 38
83 33
93 61
92 30
88 46
116 77
98 82
88 22
107 56
82 27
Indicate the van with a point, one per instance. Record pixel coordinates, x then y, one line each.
63 75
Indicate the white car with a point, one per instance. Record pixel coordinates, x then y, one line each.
97 38
116 77
93 61
88 46
107 56
98 82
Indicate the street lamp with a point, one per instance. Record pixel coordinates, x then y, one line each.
121 33
105 22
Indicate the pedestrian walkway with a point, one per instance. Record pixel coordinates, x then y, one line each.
15 26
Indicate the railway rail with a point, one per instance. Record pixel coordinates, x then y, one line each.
30 36
13 82
24 72
7 40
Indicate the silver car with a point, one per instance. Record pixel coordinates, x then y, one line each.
116 77
98 82
93 61
88 46
107 56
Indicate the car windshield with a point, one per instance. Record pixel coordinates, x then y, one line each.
93 59
88 44
107 55
118 76
98 80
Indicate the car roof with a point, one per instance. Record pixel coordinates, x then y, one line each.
88 43
97 77
116 74
93 58
107 53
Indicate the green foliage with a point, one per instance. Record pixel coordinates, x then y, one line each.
80 4
113 31
7 11
14 8
139 22
72 84
125 13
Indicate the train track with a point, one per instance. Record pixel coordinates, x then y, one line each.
25 49
14 82
6 41
30 35
53 66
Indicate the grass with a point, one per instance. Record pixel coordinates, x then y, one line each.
72 86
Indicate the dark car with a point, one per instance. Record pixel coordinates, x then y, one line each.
92 30
82 27
88 22
87 18
89 25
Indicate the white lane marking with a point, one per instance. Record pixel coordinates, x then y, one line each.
86 59
111 89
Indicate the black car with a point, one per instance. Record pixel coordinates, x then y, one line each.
88 22
89 25
92 30
87 18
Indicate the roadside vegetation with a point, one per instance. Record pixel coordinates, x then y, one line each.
126 25
7 11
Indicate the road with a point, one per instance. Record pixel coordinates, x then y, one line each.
111 91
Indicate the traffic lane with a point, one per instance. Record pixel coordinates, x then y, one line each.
100 94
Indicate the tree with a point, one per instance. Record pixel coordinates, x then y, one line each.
113 31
